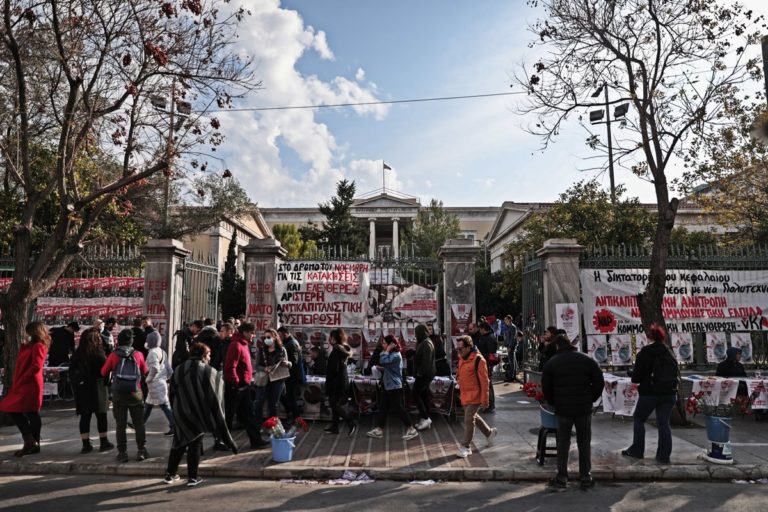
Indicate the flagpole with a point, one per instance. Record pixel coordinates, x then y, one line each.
383 177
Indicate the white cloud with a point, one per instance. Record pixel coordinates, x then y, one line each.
368 176
276 39
360 74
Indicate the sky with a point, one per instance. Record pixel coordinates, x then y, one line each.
471 152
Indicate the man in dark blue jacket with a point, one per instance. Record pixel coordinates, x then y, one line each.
571 382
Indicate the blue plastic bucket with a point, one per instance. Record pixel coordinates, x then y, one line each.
548 418
718 429
282 448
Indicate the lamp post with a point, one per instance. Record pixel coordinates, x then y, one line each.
595 118
184 109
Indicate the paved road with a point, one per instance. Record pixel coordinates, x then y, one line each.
56 493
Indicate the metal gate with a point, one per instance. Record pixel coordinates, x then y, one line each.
200 298
533 309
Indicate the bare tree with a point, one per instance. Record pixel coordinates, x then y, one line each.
84 81
674 61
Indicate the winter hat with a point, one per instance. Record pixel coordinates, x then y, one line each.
153 339
125 338
421 332
731 353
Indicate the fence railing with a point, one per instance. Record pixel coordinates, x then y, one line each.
200 298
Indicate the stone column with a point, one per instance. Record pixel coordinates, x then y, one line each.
395 237
262 256
372 239
164 262
560 268
458 258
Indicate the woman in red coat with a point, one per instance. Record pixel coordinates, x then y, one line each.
25 398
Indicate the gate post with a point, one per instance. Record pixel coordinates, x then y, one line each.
458 286
164 261
261 259
560 269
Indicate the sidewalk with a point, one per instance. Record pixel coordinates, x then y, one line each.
430 456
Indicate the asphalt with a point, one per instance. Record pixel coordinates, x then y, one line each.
431 456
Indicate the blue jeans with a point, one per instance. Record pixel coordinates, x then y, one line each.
166 408
271 393
645 406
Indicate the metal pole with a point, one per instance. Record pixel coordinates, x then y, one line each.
765 64
169 159
610 144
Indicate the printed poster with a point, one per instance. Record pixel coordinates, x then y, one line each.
568 319
597 348
716 347
621 349
682 346
743 340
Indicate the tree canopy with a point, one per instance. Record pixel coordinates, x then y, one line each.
430 230
340 232
292 241
675 62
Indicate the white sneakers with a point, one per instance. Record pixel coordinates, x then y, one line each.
490 437
464 452
424 424
410 434
378 433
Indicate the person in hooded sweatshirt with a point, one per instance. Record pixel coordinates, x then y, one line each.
732 367
157 380
127 366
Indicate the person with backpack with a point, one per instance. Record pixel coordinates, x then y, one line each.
127 367
472 377
657 374
157 380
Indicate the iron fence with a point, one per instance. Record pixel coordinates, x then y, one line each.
200 298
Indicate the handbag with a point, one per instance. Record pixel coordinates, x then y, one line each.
260 378
279 373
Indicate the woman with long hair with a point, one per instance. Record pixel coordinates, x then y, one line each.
272 357
25 398
91 393
337 382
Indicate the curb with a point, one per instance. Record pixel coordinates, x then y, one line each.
691 472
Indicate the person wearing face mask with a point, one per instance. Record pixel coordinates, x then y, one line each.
273 357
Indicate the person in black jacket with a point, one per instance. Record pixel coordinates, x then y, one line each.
571 382
319 363
185 337
657 374
294 383
91 396
139 338
488 345
62 344
337 382
546 347
424 368
732 367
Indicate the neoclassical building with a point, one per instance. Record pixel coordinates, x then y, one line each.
388 213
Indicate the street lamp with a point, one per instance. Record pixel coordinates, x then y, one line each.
596 117
177 114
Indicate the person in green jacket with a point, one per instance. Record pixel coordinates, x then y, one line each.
424 368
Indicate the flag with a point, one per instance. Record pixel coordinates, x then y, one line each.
386 167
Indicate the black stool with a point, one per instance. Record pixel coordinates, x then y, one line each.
543 450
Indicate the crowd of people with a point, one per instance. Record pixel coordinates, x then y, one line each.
219 374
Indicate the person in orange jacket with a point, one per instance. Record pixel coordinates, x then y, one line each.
472 377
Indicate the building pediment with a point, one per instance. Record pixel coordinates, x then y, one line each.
385 205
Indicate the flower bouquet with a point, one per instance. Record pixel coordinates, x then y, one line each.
705 403
276 429
282 440
548 419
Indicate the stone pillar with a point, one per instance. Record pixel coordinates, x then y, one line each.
372 239
164 262
560 269
262 256
458 258
395 237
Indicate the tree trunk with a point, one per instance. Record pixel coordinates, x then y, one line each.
17 313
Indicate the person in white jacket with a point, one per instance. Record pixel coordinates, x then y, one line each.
157 380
